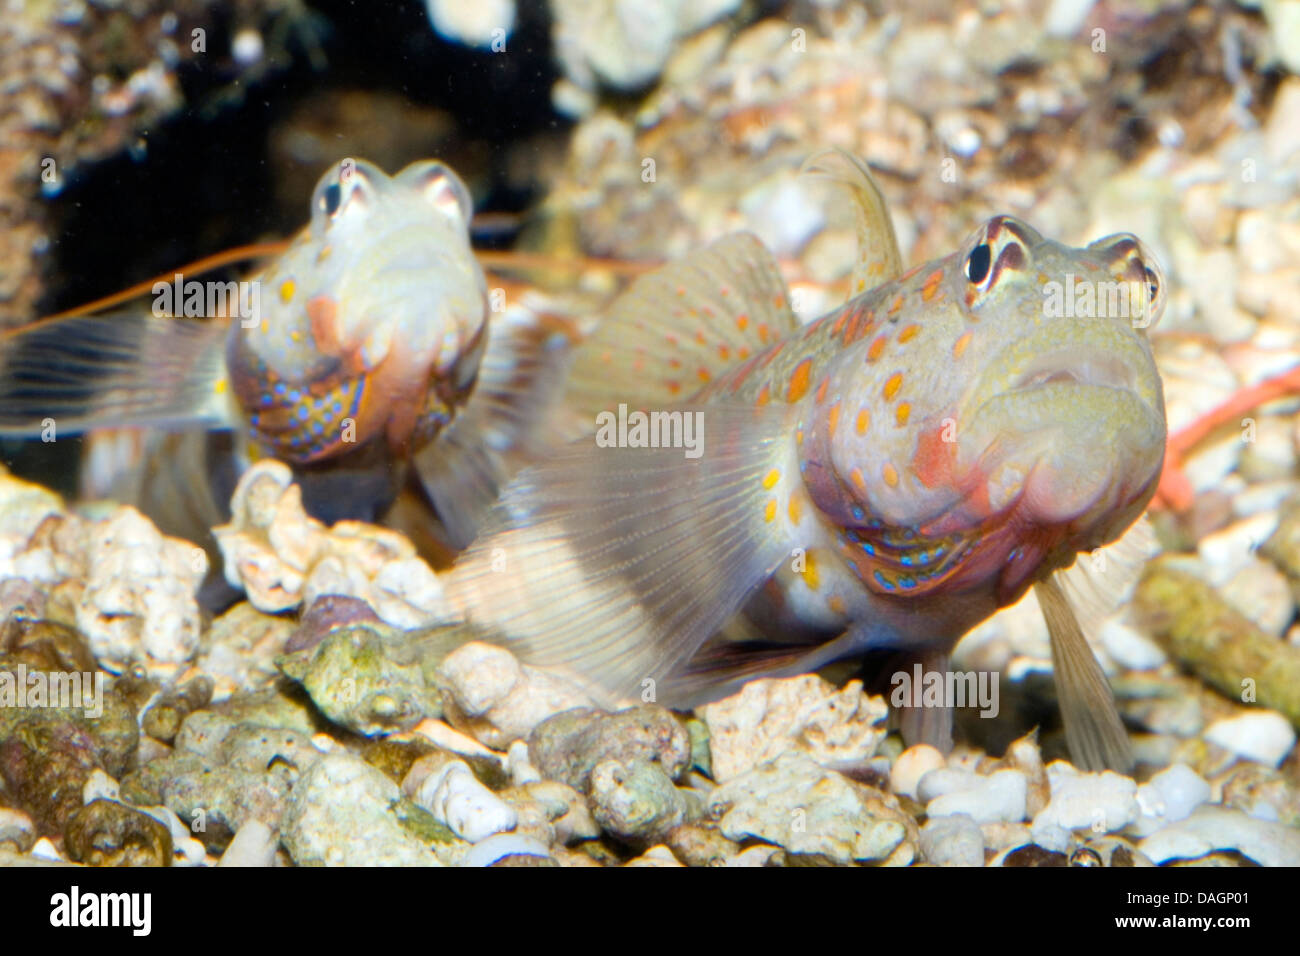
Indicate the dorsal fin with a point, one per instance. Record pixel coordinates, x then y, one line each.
682 325
878 257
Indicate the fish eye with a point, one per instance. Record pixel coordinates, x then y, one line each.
978 263
331 199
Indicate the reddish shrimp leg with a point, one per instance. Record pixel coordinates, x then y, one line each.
1175 491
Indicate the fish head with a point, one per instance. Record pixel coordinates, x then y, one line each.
1061 432
397 265
376 315
1012 414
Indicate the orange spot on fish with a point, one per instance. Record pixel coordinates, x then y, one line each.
821 389
799 381
742 321
703 374
933 461
769 510
832 419
893 385
838 327
742 353
876 348
890 474
931 285
863 422
764 333
796 509
903 412
896 304
323 318
909 333
724 353
699 337
856 476
287 288
764 395
771 478
862 323
674 387
959 346
836 604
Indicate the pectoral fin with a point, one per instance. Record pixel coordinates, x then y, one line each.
115 370
507 423
616 564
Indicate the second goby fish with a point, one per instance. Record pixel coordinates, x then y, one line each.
371 333
885 477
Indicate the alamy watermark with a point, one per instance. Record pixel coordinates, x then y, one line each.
922 688
194 299
36 688
133 911
676 429
1088 299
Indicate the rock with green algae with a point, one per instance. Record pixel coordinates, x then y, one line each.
222 774
701 844
396 757
357 684
568 746
285 706
1205 634
17 829
551 812
344 812
109 833
815 814
48 753
635 801
238 651
163 718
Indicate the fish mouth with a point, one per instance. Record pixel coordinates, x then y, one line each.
1076 366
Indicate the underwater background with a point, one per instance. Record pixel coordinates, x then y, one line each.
599 139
